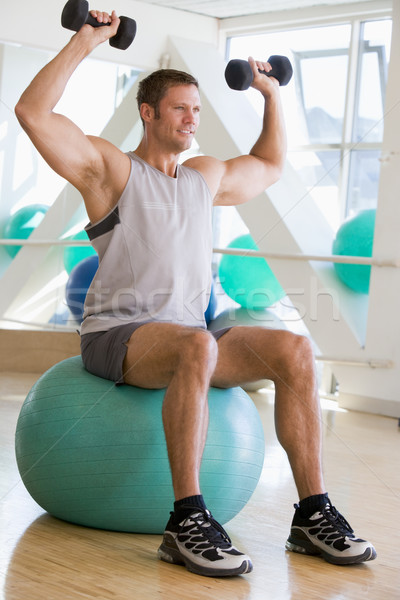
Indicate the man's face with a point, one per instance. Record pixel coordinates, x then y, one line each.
179 118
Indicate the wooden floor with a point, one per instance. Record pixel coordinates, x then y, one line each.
44 558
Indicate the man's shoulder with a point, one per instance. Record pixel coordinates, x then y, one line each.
201 162
210 168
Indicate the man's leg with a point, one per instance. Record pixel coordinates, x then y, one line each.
187 360
182 360
248 354
251 353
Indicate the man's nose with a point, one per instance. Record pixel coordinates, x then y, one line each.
190 115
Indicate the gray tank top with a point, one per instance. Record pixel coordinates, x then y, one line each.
154 250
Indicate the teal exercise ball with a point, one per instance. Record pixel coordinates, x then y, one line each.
249 281
73 255
22 223
94 454
355 237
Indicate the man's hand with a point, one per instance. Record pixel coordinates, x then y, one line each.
102 17
260 82
97 35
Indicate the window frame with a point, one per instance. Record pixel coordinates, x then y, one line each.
354 15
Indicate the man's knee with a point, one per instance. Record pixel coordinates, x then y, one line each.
297 353
199 350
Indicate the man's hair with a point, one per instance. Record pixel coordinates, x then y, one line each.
154 87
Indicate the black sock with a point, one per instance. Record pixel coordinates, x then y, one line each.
308 506
185 506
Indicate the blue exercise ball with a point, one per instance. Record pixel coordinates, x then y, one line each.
73 255
355 237
211 310
94 454
78 284
22 223
248 280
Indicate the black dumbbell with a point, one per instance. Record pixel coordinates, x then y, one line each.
76 14
239 74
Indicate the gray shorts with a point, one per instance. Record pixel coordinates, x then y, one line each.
103 352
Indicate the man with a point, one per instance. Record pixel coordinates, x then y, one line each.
150 222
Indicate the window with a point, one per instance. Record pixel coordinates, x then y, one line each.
334 107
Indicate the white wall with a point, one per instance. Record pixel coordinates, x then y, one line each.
38 24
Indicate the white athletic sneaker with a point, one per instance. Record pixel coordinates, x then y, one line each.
328 534
203 546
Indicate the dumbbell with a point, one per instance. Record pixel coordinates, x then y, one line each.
239 74
76 14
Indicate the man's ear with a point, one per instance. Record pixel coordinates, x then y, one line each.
146 112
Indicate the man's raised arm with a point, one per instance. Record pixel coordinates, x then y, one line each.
78 158
242 178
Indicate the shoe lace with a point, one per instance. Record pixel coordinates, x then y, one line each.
210 528
337 519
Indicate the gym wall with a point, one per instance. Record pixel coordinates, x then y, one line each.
36 25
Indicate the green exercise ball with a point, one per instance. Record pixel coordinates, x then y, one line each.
75 254
94 454
22 223
355 237
249 280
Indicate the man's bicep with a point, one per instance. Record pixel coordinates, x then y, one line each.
244 178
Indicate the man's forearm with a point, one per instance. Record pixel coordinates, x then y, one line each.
271 145
48 86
